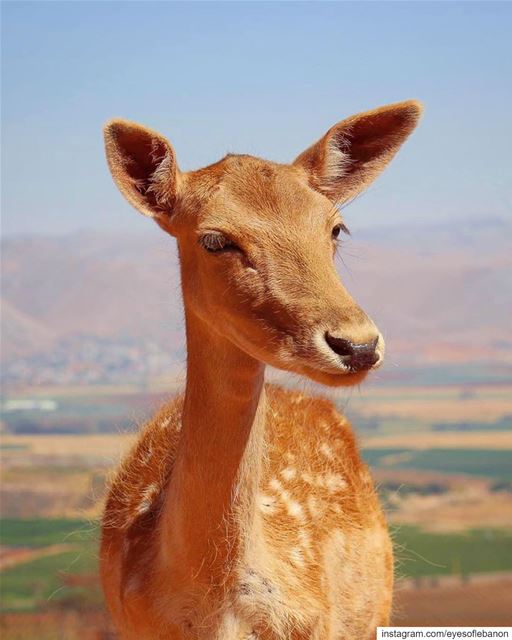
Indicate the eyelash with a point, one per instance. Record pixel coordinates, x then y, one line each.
337 229
216 242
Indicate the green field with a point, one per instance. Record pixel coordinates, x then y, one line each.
492 463
419 553
41 583
40 532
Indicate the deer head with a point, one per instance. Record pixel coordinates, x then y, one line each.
257 239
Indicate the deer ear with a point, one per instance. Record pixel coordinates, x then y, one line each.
355 151
143 165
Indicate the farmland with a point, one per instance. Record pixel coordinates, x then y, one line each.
492 463
482 601
389 409
58 578
421 553
440 457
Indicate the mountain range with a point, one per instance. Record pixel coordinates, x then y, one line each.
440 292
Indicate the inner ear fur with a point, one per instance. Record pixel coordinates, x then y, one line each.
356 150
143 165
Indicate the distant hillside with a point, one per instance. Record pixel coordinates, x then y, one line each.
440 293
101 306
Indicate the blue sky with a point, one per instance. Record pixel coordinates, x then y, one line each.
266 78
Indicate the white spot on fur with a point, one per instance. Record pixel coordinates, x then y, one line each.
275 485
295 509
165 423
292 506
289 473
266 504
331 481
313 507
334 482
308 478
326 450
297 557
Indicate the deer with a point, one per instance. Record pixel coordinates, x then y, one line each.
244 510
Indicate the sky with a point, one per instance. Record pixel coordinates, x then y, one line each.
265 78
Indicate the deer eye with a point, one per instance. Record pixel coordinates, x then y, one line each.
338 228
215 242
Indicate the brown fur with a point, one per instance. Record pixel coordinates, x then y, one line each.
244 511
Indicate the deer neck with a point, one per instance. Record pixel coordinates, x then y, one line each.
216 473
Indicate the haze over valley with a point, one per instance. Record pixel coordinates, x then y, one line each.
104 308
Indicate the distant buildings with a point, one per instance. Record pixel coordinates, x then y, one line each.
29 404
91 360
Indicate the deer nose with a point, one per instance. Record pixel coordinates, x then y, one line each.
356 356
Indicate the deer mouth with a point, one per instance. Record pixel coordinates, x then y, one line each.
341 379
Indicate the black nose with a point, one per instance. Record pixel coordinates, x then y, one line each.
356 356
